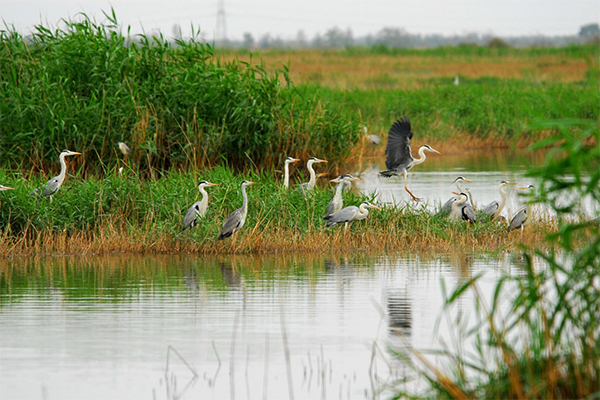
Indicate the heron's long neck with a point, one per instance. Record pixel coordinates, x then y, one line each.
63 168
245 202
363 211
422 157
286 176
460 190
313 176
204 200
338 191
502 201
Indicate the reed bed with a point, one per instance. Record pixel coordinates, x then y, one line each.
123 213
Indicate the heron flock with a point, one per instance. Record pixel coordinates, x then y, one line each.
399 160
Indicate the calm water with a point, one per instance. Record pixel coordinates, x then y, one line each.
99 328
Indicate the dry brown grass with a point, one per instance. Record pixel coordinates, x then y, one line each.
366 236
337 69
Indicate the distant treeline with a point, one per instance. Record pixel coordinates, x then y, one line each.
394 37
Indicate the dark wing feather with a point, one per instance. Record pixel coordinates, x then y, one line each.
231 224
398 151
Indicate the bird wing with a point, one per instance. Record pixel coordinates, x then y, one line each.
398 151
447 207
518 220
190 216
232 223
491 208
51 186
344 215
468 213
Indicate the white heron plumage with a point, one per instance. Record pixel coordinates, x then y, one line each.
286 175
52 186
236 219
198 209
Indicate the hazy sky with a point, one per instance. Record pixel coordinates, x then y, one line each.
284 18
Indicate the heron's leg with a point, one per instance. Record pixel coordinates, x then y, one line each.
406 187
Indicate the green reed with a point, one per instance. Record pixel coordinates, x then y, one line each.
85 86
482 108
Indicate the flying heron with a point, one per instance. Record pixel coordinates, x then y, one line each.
198 209
399 156
286 176
52 186
236 219
349 214
494 209
337 202
447 207
310 185
461 210
522 217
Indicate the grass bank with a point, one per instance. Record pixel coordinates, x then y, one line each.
123 213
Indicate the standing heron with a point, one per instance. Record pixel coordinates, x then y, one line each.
337 202
52 186
494 209
399 155
198 209
523 217
310 185
462 210
373 139
125 150
447 207
236 219
349 214
286 176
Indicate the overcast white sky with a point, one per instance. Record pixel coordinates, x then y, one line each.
284 18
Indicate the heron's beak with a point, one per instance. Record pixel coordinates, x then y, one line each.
523 187
213 184
322 161
322 174
375 207
75 153
466 180
296 160
6 188
512 183
437 152
357 179
458 194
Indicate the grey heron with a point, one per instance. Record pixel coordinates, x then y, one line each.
52 186
125 150
523 217
373 139
337 202
236 219
286 176
447 206
399 155
198 209
310 185
349 214
461 210
494 209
